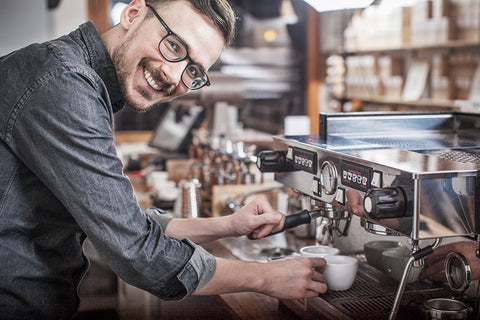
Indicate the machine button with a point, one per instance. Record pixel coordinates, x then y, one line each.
290 153
377 179
315 186
340 196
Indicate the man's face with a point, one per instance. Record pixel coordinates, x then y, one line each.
145 77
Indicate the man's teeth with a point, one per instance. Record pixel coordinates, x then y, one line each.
150 80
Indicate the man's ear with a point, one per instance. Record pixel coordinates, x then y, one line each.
133 13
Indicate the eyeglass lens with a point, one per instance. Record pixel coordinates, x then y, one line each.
173 49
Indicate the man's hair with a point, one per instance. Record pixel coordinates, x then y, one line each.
218 11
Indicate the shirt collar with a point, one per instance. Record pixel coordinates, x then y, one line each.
101 62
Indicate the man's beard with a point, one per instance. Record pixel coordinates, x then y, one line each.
118 58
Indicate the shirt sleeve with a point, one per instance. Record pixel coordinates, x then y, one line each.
62 130
201 259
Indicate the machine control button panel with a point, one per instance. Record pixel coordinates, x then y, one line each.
302 159
356 176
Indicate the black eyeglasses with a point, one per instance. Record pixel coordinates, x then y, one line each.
173 49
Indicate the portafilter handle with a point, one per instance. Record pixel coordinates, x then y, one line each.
294 220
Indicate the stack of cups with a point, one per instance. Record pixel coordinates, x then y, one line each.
188 203
163 188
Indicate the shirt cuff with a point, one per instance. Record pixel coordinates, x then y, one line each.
204 264
160 216
201 266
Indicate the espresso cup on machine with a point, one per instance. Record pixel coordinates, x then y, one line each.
340 272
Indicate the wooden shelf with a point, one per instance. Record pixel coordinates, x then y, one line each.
424 103
455 44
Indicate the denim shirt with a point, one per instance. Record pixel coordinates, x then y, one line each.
61 181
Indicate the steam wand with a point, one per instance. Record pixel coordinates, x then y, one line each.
420 254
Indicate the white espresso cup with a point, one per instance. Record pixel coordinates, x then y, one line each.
340 272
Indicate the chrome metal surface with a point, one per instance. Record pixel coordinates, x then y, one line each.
434 158
431 159
457 271
377 229
461 156
442 308
401 288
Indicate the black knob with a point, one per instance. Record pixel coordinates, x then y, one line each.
273 161
384 203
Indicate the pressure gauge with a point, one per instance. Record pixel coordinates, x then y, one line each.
328 177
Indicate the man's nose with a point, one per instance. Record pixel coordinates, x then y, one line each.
173 71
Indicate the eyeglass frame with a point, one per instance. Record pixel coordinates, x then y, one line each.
187 56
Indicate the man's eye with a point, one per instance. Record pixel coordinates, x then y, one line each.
173 46
193 72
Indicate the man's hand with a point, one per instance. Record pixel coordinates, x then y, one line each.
257 217
435 263
296 278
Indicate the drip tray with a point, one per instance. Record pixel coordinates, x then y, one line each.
371 297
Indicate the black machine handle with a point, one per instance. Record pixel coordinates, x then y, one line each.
273 161
291 221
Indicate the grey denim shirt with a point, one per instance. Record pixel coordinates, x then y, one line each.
61 181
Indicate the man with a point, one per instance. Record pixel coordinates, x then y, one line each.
61 180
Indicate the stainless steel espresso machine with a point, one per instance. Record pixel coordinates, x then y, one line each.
410 174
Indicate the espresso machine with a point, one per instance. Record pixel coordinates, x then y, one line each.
413 175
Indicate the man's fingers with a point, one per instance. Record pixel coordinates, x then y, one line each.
318 263
268 223
317 276
272 218
315 289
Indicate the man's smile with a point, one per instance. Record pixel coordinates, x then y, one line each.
151 81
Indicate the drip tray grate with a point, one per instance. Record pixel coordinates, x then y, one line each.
461 156
372 294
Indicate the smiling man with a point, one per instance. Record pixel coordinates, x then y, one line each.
61 180
142 71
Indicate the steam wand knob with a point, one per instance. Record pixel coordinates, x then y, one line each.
384 203
273 161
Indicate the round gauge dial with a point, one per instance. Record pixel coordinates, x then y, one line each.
328 177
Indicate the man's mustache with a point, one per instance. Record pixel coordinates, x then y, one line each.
168 88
